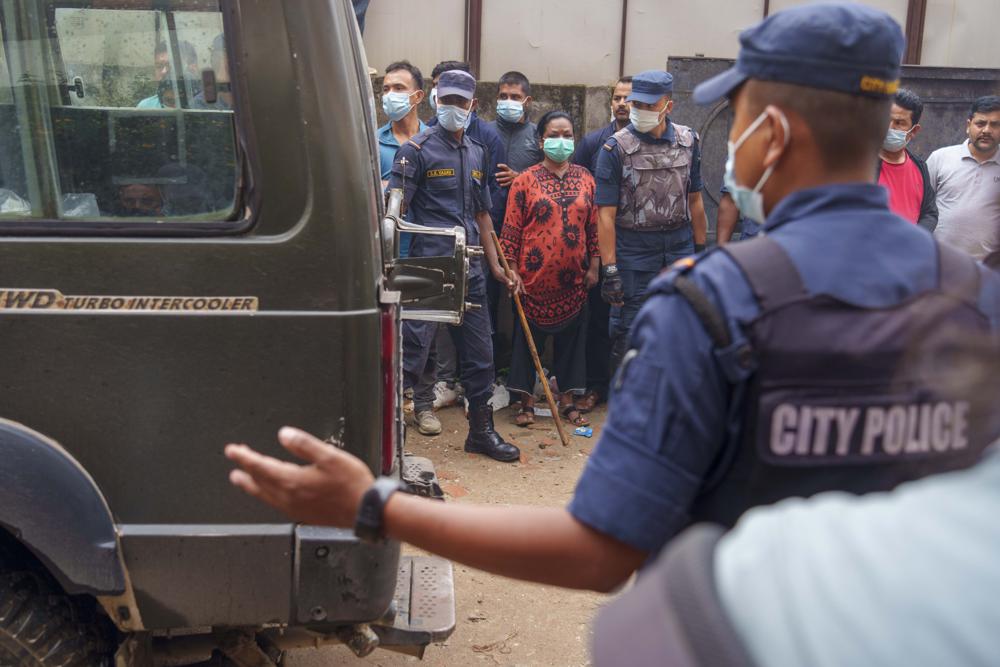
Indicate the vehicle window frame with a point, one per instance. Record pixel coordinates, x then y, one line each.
246 205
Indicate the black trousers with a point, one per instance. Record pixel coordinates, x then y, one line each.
598 352
569 352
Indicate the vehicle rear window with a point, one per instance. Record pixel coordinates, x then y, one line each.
116 110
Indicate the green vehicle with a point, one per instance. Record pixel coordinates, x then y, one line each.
193 251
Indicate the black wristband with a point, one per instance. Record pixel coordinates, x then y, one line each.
699 247
369 526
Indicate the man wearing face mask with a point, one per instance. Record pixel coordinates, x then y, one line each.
445 175
649 194
768 369
517 133
900 171
402 93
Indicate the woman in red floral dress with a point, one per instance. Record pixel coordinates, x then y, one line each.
550 239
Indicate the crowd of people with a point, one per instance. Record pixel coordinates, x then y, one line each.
587 224
764 387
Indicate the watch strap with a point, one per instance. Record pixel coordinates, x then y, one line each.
369 526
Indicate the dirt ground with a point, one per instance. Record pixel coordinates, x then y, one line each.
500 621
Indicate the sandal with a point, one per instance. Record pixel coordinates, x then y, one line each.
587 402
525 417
568 412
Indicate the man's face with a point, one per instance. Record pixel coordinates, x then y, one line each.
749 160
141 200
457 101
401 81
663 103
619 106
900 118
984 131
513 92
161 66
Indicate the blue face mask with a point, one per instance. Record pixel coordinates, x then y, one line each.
453 118
510 110
396 105
895 140
750 202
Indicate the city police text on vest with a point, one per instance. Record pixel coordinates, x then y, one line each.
870 432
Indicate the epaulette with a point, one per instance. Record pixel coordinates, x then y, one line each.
609 146
418 139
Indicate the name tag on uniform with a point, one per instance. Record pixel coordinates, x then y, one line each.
440 173
476 174
804 432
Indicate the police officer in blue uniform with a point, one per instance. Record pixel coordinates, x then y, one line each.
445 174
797 362
649 194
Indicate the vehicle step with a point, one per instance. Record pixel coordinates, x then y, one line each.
420 478
424 604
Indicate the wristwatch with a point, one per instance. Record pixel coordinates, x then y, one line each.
609 270
369 526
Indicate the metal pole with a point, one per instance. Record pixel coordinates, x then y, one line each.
621 45
916 13
474 35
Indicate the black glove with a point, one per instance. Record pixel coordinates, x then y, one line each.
612 290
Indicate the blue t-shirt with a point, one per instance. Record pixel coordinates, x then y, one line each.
903 578
387 147
679 402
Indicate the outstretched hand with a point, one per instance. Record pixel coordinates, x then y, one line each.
326 491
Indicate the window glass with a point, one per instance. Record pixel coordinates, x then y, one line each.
109 120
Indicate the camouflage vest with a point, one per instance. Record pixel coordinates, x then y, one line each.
655 178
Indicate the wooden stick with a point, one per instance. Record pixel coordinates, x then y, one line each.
531 346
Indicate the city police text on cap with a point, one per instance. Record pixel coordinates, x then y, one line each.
845 47
650 86
456 82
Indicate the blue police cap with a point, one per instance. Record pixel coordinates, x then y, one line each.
456 82
650 86
845 47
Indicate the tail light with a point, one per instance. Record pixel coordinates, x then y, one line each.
390 387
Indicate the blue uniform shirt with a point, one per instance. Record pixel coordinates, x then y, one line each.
483 132
608 172
445 187
590 146
679 402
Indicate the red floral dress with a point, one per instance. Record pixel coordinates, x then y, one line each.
549 236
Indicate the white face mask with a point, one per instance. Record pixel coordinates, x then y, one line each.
644 120
434 98
750 202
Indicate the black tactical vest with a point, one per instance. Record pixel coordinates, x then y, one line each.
842 397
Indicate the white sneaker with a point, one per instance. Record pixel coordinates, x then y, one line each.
427 423
444 395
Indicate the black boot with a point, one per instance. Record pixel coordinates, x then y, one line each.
484 440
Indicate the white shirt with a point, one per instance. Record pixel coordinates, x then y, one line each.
908 578
968 199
